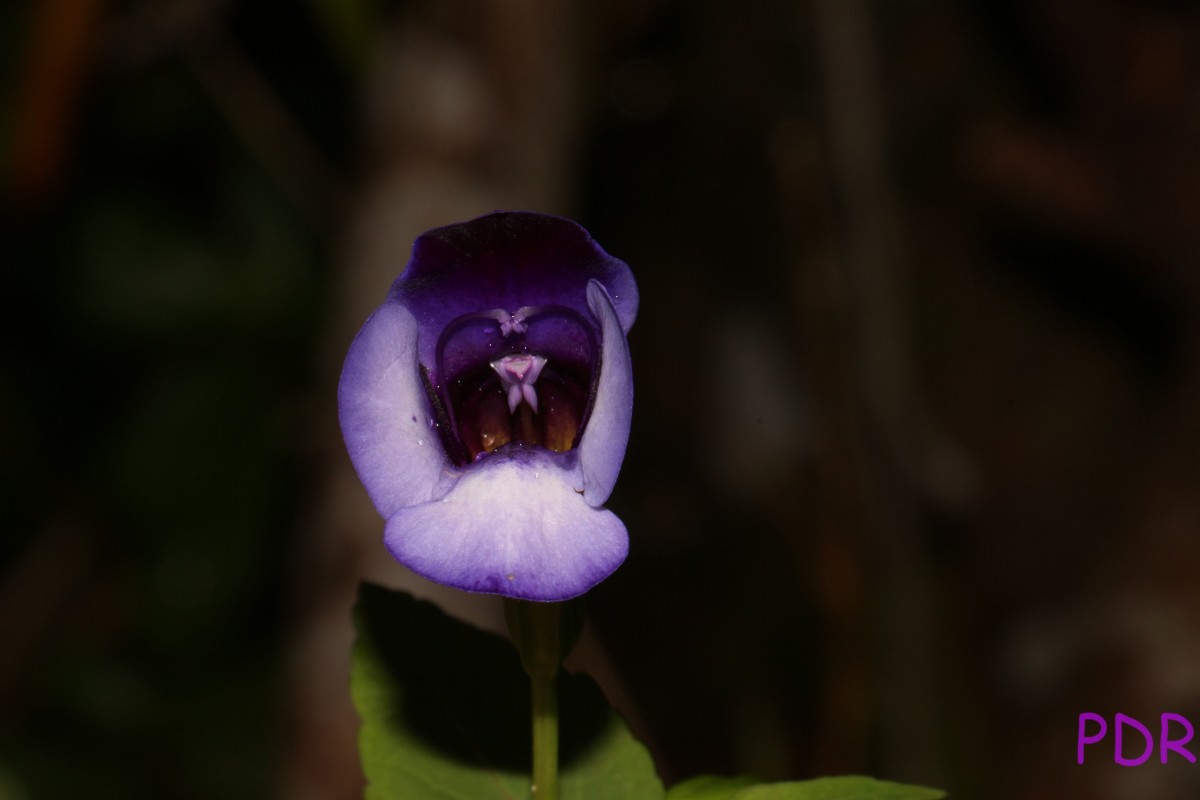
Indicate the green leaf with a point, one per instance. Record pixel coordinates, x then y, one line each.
844 788
708 787
445 714
851 787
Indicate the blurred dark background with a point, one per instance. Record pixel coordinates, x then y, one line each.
914 476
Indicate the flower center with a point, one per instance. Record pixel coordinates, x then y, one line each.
535 393
517 374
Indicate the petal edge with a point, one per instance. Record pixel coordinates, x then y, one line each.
385 417
606 435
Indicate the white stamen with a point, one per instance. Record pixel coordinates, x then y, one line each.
518 373
511 323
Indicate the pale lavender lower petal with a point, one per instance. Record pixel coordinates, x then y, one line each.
385 418
602 448
513 525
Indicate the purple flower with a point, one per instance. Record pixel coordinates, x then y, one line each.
486 406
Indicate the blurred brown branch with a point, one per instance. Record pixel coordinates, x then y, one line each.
61 46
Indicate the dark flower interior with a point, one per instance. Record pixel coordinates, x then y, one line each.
526 378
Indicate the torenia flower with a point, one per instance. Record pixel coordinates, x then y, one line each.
486 407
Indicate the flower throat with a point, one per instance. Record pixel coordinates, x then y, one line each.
522 397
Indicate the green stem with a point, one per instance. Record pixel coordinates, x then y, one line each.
545 739
535 629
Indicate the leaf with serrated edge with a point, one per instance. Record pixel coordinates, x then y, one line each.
708 787
850 787
445 714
